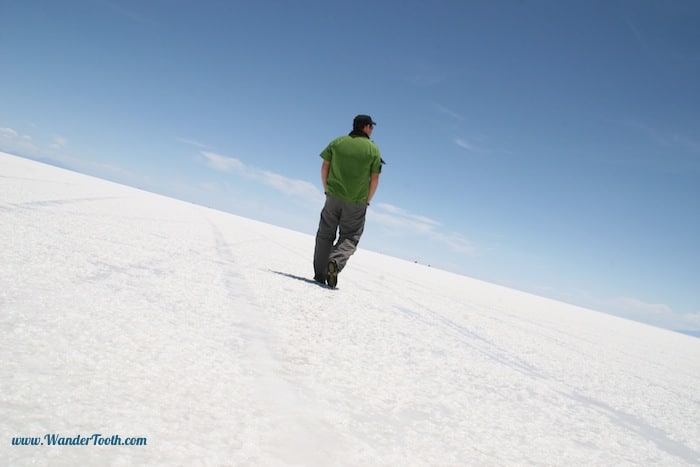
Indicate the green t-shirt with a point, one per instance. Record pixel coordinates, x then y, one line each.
353 159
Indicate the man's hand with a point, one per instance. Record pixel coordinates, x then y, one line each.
373 184
325 168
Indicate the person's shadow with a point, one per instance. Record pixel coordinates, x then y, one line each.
302 279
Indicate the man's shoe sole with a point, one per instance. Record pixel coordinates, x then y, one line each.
332 277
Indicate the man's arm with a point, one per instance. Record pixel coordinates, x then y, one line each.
373 184
325 168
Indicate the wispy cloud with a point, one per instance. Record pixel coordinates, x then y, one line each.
449 112
398 220
426 74
59 142
223 163
403 222
658 314
689 143
680 148
281 183
671 139
402 213
192 142
457 120
54 153
636 32
464 144
658 51
16 143
633 305
132 13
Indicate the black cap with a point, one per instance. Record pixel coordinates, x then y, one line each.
361 121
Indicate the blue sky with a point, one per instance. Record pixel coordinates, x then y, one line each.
548 146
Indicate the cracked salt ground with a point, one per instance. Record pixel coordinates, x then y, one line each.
128 313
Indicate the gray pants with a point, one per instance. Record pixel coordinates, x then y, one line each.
337 215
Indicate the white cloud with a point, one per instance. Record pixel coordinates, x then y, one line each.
657 314
464 144
16 143
400 212
403 222
13 142
444 110
638 306
426 74
223 163
192 142
286 185
666 138
685 141
636 32
399 220
289 186
653 313
8 133
59 142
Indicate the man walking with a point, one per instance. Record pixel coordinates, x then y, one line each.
350 176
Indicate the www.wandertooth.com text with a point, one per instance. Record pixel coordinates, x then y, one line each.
96 439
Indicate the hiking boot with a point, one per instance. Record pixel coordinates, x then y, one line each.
319 279
332 277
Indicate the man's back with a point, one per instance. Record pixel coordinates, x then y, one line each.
352 160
